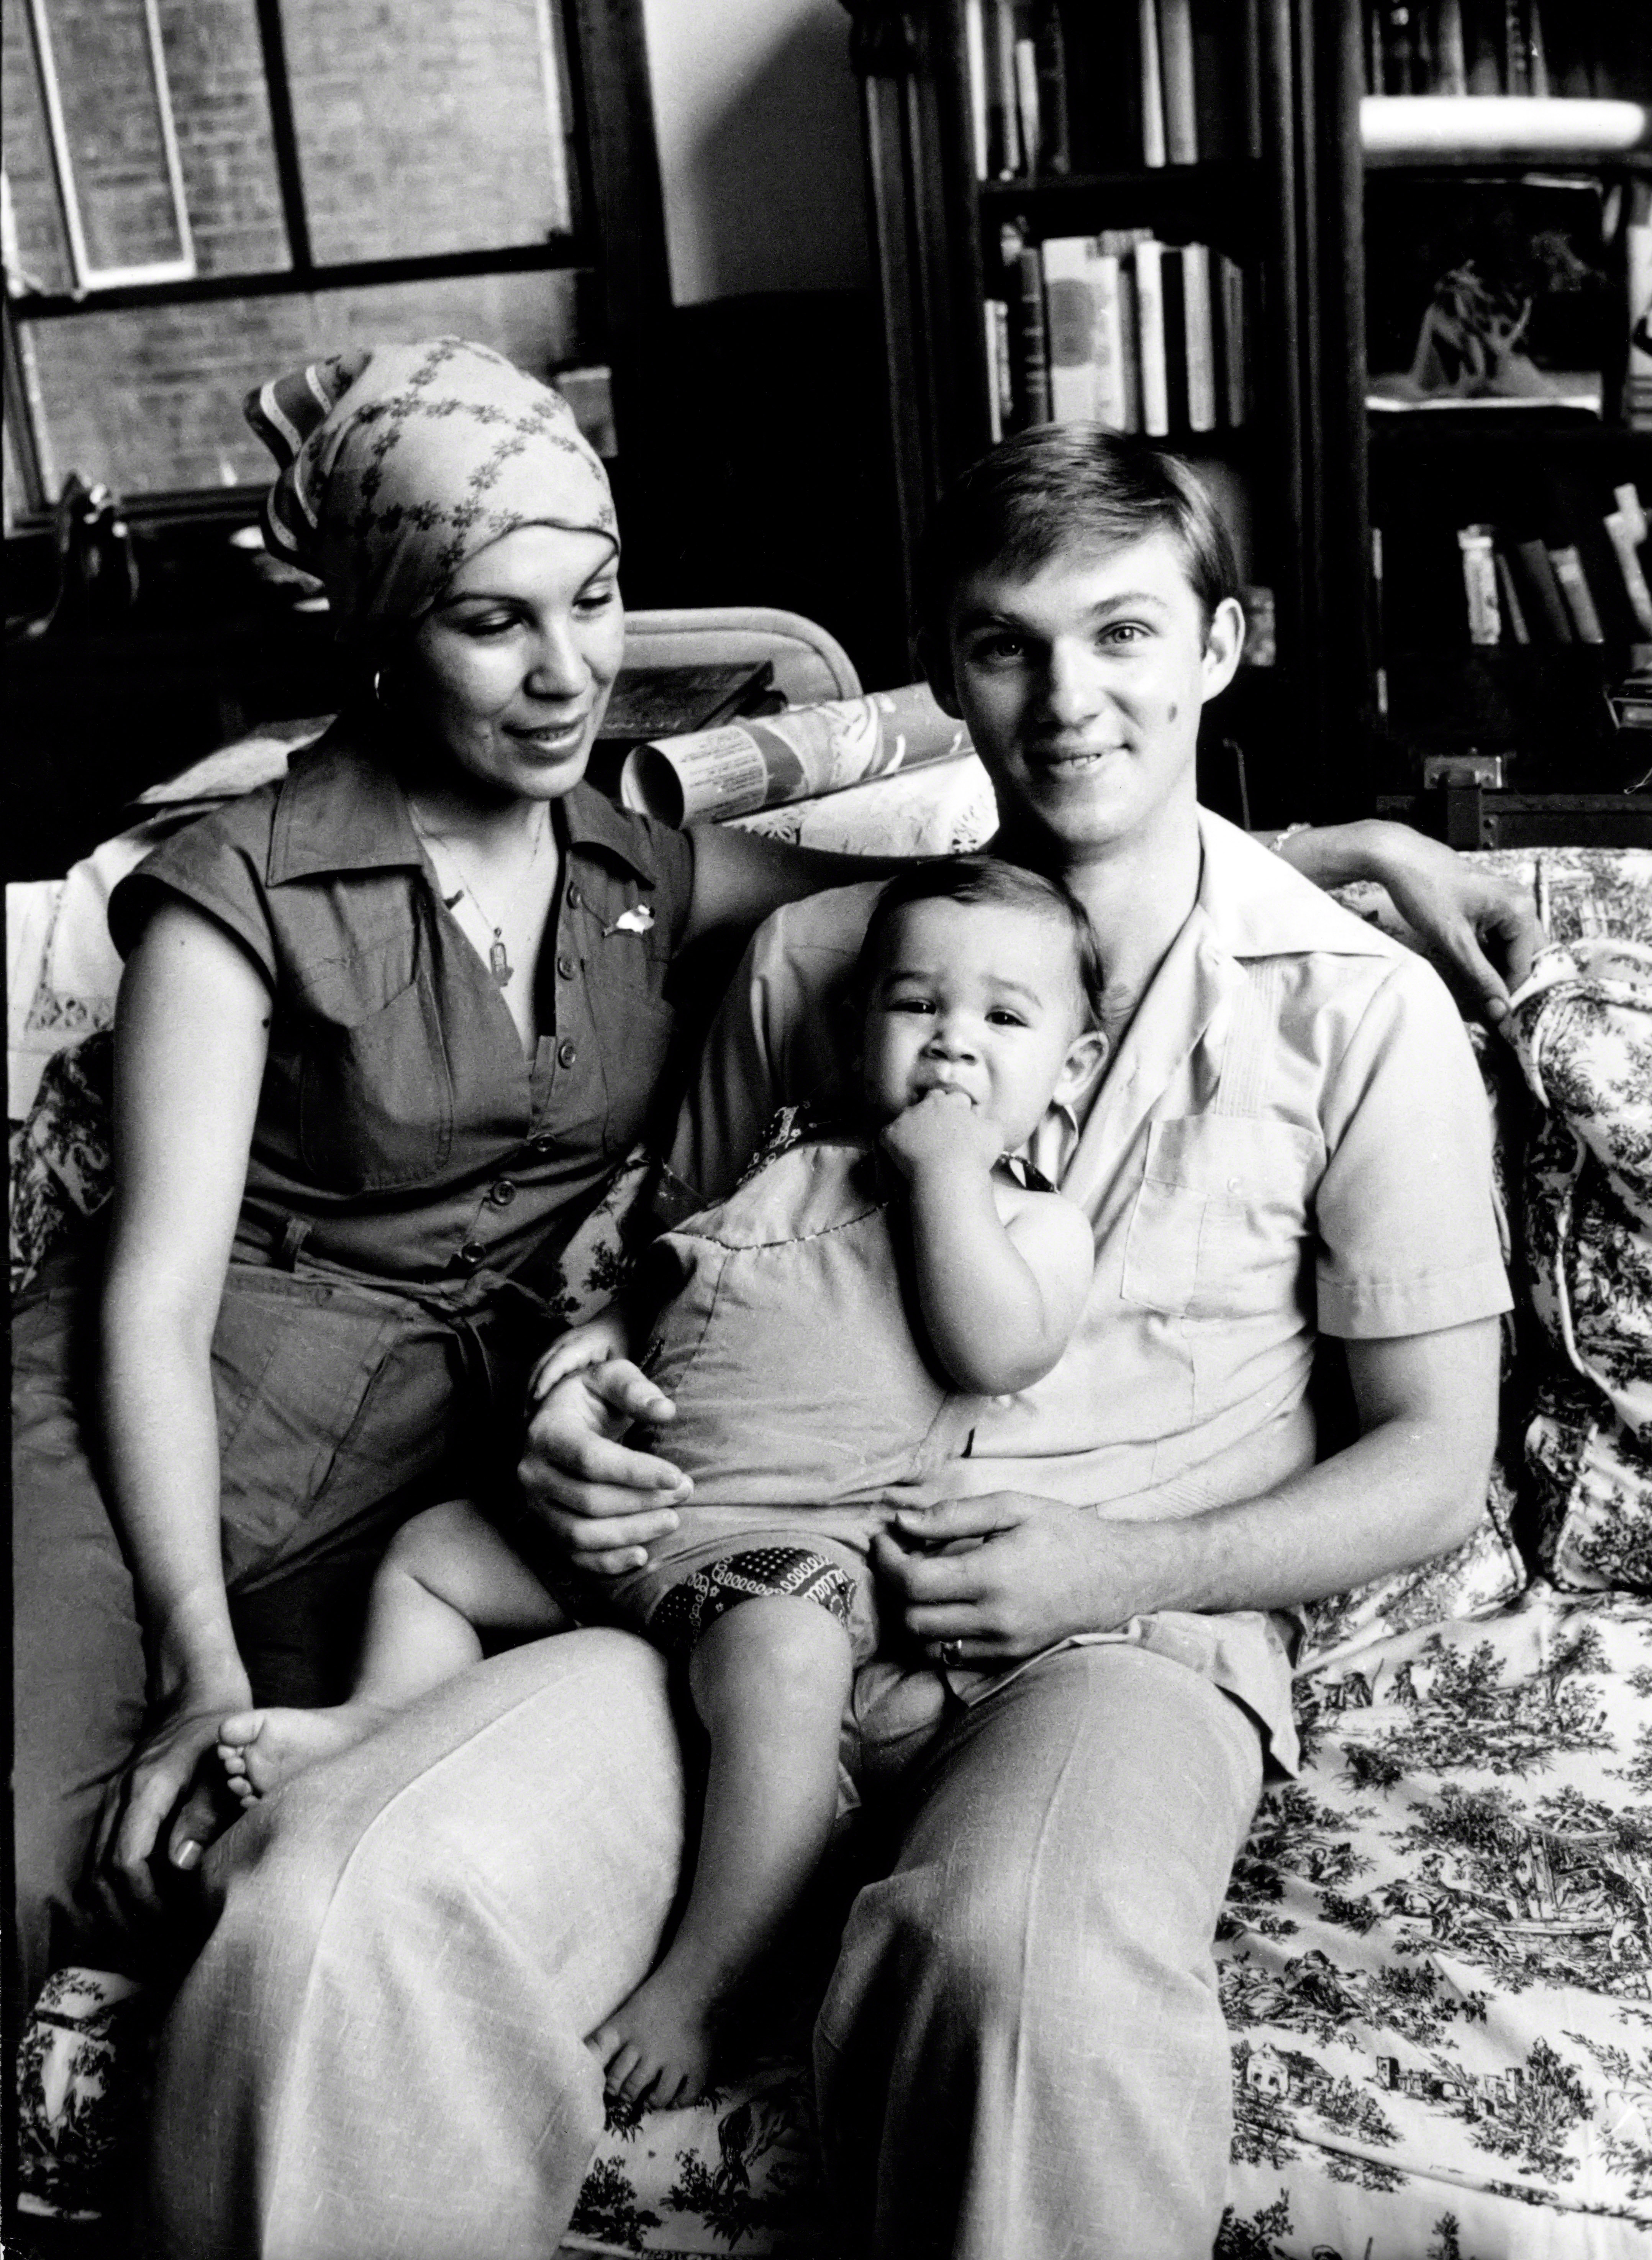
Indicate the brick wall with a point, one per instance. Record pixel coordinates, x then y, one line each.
151 400
424 126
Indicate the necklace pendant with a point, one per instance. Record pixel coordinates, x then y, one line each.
499 964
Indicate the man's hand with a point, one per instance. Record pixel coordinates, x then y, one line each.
942 1131
1028 1572
1482 932
168 1799
601 1501
1483 929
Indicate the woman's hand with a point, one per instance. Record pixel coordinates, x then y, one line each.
602 1502
601 1341
1483 931
167 1806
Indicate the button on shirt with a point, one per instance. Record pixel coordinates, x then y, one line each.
401 1127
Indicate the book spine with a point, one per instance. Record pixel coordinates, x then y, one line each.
1176 66
1198 317
1568 571
1480 584
1540 573
1234 348
1513 610
1004 130
974 48
1174 299
1537 72
1031 340
1484 45
1619 533
1251 77
1451 61
1027 108
1000 393
1149 263
1112 384
1070 314
1121 243
1049 49
1153 135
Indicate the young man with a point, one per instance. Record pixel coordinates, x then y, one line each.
1021 2053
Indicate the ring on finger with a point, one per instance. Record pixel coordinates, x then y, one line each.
951 1654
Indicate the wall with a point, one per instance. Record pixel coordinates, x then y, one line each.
758 120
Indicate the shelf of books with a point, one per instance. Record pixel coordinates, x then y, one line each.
1094 224
1506 252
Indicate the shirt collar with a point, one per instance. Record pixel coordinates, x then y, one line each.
342 809
1253 903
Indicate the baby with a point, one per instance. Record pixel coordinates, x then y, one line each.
825 1333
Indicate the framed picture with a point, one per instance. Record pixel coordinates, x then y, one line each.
1488 294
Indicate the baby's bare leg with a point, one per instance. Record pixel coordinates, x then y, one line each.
769 1680
445 1574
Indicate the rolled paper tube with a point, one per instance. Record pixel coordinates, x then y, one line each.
800 754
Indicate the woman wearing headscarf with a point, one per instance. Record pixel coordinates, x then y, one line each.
385 1031
387 1027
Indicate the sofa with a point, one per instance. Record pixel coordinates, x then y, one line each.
1436 1953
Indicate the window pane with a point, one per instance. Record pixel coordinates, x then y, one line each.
220 103
42 246
113 107
429 126
149 401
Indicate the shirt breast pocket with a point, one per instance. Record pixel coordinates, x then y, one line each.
1218 1224
376 1099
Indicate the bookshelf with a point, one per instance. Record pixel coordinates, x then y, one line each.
997 128
1306 139
1496 165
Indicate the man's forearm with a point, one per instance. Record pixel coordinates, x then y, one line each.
1395 1498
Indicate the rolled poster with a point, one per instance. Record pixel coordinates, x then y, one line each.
800 754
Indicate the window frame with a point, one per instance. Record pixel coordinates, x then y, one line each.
619 242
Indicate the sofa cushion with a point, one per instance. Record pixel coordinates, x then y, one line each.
1582 1029
1436 1956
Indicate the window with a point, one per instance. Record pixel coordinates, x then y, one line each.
199 192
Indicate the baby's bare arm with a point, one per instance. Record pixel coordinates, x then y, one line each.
1002 1275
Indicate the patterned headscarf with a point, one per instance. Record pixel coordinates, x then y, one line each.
399 461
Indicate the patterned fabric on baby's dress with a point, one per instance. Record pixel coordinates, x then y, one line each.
788 1344
767 1573
399 461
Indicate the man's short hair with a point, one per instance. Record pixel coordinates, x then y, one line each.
1069 486
987 879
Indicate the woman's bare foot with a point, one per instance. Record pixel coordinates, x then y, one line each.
260 1750
657 2046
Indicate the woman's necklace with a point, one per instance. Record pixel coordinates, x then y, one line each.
444 851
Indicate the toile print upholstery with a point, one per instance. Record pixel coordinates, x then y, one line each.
1435 1959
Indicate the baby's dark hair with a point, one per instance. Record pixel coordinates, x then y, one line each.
985 879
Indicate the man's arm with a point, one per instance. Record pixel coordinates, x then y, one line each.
1482 930
1409 1487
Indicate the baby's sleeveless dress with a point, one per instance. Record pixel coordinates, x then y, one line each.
788 1344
